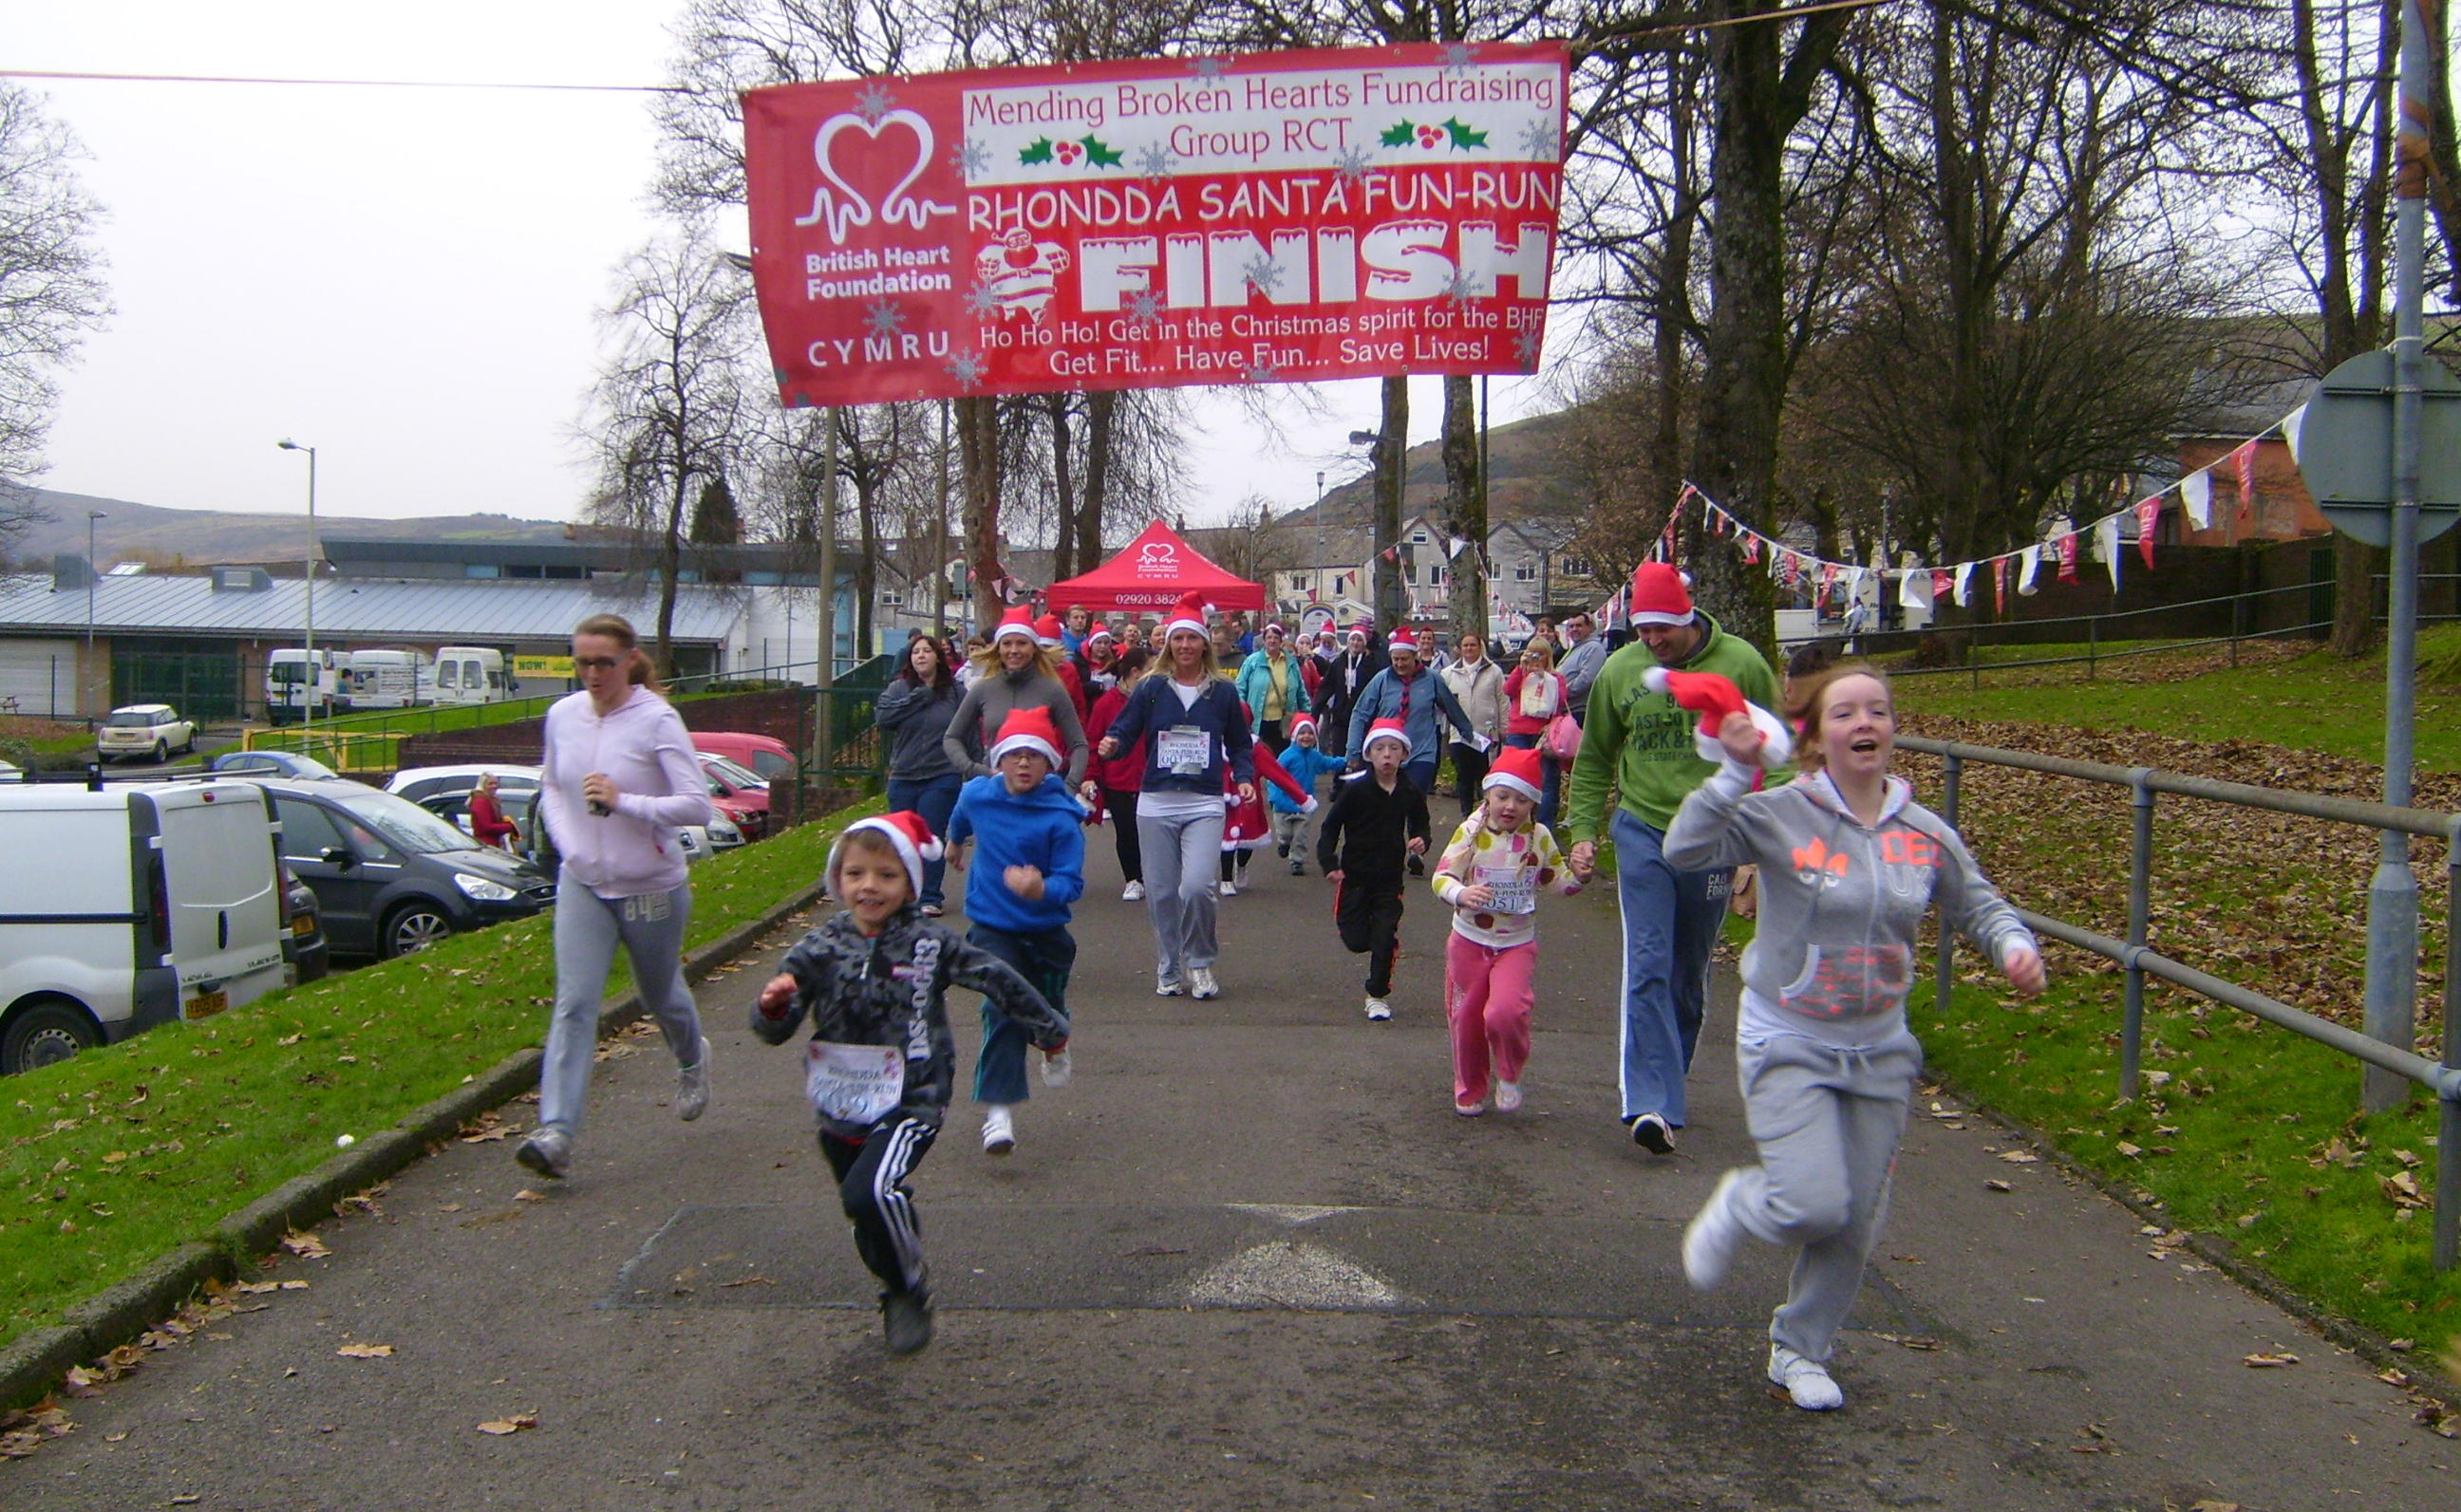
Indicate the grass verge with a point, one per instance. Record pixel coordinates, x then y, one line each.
112 1159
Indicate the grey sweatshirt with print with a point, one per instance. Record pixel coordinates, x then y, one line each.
1840 904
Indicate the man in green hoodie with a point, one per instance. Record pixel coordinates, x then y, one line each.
1640 744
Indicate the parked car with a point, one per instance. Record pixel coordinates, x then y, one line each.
734 792
769 759
390 877
303 945
272 763
142 730
153 901
444 791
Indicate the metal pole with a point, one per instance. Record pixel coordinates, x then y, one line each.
316 674
1944 981
2392 896
2447 1137
2140 918
824 751
91 573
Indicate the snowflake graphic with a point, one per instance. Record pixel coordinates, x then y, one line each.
1459 290
981 301
1145 307
1353 165
1208 67
1459 56
884 317
971 159
966 369
1156 161
1264 274
872 102
1540 139
1526 346
1262 372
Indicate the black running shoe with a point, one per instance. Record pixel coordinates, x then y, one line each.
1651 1132
905 1316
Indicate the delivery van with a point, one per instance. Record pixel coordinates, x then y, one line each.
390 679
301 684
155 901
472 675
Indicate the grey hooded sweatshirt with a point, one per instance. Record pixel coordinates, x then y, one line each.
1840 904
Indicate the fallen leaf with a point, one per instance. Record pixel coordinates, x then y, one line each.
2266 1362
2401 1189
2127 1149
293 1286
2406 1157
1996 1185
2020 1157
526 1195
365 1352
307 1247
514 1424
289 1041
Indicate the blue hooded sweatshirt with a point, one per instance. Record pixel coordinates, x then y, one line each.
1042 828
1305 766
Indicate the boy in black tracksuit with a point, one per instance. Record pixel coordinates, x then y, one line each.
1384 820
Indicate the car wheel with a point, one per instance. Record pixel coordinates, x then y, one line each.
161 752
47 1032
414 927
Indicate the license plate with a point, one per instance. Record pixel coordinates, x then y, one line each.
303 924
205 1004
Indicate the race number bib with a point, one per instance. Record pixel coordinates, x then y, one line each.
1515 888
854 1083
1184 749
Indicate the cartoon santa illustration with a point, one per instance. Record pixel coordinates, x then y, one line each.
1022 273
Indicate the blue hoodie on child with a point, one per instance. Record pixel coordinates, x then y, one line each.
1042 827
1305 765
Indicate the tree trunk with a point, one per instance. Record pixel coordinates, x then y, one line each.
1099 408
1064 490
671 562
978 466
1392 450
2355 565
1465 512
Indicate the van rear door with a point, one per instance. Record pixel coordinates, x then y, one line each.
225 893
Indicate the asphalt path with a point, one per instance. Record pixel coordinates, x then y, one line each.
1249 1258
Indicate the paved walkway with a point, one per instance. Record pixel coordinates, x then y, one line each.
1250 1259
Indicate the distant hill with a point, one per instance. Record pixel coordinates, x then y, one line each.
207 537
1530 474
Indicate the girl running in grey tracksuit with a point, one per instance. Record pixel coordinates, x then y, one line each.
1849 863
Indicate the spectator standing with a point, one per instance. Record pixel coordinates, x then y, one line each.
915 710
1272 683
1478 687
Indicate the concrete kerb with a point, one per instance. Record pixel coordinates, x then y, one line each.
35 1361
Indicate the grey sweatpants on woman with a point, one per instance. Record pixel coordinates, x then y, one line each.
587 929
1828 1121
1181 854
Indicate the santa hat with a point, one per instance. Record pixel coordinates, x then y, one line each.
1028 730
1357 632
1100 633
1300 722
906 830
1018 621
1387 730
1713 698
1518 770
1047 629
1187 614
1403 639
1661 595
1274 628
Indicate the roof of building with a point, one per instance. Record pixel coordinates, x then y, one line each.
354 608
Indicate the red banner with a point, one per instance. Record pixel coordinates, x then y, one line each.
1287 217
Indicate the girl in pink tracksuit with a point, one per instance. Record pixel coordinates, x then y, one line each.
1491 873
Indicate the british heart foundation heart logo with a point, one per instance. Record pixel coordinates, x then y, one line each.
869 166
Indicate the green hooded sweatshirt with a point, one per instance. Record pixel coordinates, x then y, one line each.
1640 742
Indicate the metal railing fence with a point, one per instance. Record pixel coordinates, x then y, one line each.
2139 962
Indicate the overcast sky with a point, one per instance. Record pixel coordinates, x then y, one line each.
405 279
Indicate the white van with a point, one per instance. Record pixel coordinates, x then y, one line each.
154 900
471 675
300 684
390 679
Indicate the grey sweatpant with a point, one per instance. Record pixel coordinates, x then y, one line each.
587 929
1181 854
1827 1121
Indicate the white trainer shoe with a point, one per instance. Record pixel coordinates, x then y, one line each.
1806 1382
1710 1241
1508 1097
692 1086
1166 984
1229 887
1379 1010
548 1151
1201 983
999 1132
1133 892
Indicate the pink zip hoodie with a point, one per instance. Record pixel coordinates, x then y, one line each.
642 748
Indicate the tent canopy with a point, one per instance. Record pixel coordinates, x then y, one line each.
1153 572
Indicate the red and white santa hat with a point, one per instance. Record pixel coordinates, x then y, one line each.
1402 639
1713 697
1018 621
1300 722
1028 730
1387 730
906 830
1100 633
1518 770
1661 595
1047 629
1187 614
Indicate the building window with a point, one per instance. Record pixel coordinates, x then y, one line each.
479 569
1572 566
1418 537
1525 573
891 598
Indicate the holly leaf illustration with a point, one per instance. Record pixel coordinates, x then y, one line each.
1401 134
1038 151
1099 155
1463 136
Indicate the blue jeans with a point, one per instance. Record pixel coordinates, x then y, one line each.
1422 774
1670 924
935 798
1044 959
1551 790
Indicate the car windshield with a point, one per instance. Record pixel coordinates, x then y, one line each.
288 671
736 775
405 823
134 719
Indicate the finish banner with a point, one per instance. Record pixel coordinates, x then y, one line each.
1285 217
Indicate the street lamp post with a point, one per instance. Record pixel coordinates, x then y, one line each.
93 571
316 673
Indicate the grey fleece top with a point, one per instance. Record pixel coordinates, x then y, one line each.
988 704
917 718
1839 903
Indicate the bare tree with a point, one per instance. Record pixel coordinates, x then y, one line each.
1251 543
51 287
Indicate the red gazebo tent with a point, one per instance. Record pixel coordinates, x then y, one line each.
1151 573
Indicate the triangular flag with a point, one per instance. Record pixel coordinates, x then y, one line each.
1855 586
2068 545
2291 425
2148 517
2245 458
1789 569
1751 546
2029 564
1915 591
2000 587
1944 583
2106 540
1964 583
2197 492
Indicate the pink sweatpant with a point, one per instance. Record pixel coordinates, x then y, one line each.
1488 993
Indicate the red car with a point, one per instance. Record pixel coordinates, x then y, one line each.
737 792
767 756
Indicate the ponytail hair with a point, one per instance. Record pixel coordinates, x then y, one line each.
641 674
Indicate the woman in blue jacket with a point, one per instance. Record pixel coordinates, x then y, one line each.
1193 729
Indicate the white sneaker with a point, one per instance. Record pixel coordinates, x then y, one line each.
1133 892
1201 983
1229 887
1166 984
692 1086
1806 1382
1508 1097
1710 1241
999 1133
1379 1010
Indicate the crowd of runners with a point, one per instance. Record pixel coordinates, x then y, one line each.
1197 744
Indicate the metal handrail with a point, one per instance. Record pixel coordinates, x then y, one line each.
2139 962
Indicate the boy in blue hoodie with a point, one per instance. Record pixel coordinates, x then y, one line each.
1017 897
1306 762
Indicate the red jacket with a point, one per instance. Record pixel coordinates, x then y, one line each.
488 825
1125 772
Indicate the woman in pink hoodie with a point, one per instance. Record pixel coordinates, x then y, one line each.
617 778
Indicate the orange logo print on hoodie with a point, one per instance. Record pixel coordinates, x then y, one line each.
1814 864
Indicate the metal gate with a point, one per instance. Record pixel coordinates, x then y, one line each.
39 677
204 685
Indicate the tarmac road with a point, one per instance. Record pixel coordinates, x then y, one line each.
1250 1258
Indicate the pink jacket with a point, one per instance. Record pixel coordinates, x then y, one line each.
645 751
